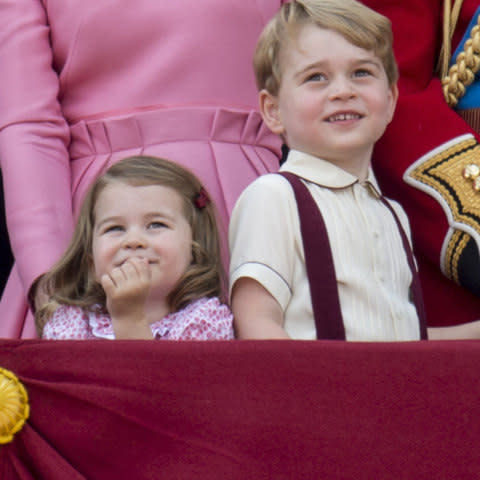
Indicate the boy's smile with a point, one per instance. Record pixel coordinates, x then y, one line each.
334 100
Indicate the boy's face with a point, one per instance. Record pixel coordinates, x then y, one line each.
334 100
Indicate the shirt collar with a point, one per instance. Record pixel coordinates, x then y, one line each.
326 174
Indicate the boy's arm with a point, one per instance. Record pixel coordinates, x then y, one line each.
465 331
257 315
261 232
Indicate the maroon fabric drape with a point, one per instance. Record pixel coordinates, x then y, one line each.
245 410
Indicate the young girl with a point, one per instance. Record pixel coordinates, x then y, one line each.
144 261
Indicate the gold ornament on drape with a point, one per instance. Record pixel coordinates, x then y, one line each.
14 406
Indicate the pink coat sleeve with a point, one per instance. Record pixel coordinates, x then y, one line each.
33 140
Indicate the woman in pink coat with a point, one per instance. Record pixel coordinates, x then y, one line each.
84 84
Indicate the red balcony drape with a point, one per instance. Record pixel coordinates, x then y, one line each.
245 410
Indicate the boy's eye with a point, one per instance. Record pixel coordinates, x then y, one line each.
156 225
362 72
315 77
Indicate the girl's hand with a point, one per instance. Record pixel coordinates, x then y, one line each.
127 289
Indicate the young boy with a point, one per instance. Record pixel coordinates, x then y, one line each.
327 79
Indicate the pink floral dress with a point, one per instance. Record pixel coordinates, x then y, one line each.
203 319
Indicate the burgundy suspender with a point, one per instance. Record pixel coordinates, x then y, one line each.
321 269
415 288
319 264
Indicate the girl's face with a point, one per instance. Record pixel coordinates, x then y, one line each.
144 222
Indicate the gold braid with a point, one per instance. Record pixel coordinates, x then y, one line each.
462 72
450 19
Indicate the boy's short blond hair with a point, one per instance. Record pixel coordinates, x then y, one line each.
358 24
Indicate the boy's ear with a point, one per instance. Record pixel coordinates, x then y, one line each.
268 104
393 101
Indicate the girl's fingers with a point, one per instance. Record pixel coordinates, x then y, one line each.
134 270
107 283
138 266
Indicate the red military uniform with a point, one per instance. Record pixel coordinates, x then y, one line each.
420 159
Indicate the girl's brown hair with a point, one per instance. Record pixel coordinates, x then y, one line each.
71 280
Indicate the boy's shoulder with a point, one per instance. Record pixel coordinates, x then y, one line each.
271 182
269 194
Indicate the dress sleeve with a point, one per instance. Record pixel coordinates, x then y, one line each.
67 323
206 319
33 140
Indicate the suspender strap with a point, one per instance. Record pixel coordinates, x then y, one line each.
321 270
319 264
415 286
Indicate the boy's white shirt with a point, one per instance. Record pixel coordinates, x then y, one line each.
372 271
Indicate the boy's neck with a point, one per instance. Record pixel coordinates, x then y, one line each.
358 167
359 171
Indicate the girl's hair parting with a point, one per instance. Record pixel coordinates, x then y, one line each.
71 280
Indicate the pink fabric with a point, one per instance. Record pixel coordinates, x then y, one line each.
204 319
171 79
240 410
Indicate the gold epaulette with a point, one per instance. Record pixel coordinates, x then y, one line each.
451 175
